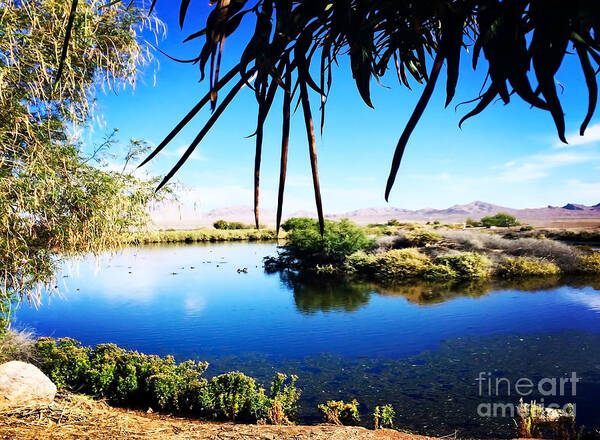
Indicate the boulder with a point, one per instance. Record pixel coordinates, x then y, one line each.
23 384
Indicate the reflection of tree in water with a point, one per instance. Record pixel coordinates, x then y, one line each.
430 293
314 293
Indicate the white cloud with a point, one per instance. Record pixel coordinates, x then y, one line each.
588 299
589 191
179 152
592 135
539 166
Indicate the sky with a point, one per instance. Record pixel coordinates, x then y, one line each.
508 155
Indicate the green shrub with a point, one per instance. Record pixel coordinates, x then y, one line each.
305 247
467 265
393 222
440 272
396 264
383 417
340 412
589 263
470 223
361 262
399 264
297 223
515 267
284 400
172 386
64 361
500 220
134 379
102 370
234 397
203 235
221 224
225 225
423 237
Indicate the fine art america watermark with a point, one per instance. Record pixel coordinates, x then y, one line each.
493 388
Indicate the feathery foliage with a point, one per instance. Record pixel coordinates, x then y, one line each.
56 201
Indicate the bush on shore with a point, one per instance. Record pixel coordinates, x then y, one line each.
517 267
297 223
205 235
225 225
133 379
589 264
305 247
400 264
440 272
383 417
340 413
420 238
467 265
395 264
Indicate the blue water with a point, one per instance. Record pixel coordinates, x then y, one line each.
190 301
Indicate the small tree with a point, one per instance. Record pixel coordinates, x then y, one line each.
56 201
471 223
221 224
501 219
297 223
306 247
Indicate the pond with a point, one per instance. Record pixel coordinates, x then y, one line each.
436 353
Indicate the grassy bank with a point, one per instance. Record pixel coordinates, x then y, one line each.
204 235
135 380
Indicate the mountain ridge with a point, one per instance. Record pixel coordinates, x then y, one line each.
173 215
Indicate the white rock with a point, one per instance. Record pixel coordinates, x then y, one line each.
23 384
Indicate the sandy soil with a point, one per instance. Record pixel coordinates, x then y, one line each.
78 417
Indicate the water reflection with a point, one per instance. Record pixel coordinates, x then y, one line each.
326 294
314 293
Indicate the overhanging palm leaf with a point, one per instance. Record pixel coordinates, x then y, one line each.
514 36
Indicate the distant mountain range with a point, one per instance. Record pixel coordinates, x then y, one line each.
175 216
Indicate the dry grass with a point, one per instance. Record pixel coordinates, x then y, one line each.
73 417
16 346
563 255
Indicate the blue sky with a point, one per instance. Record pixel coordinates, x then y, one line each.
508 155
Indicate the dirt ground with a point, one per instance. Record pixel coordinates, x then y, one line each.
574 224
75 417
78 417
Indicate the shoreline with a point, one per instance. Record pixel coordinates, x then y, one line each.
70 415
203 235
